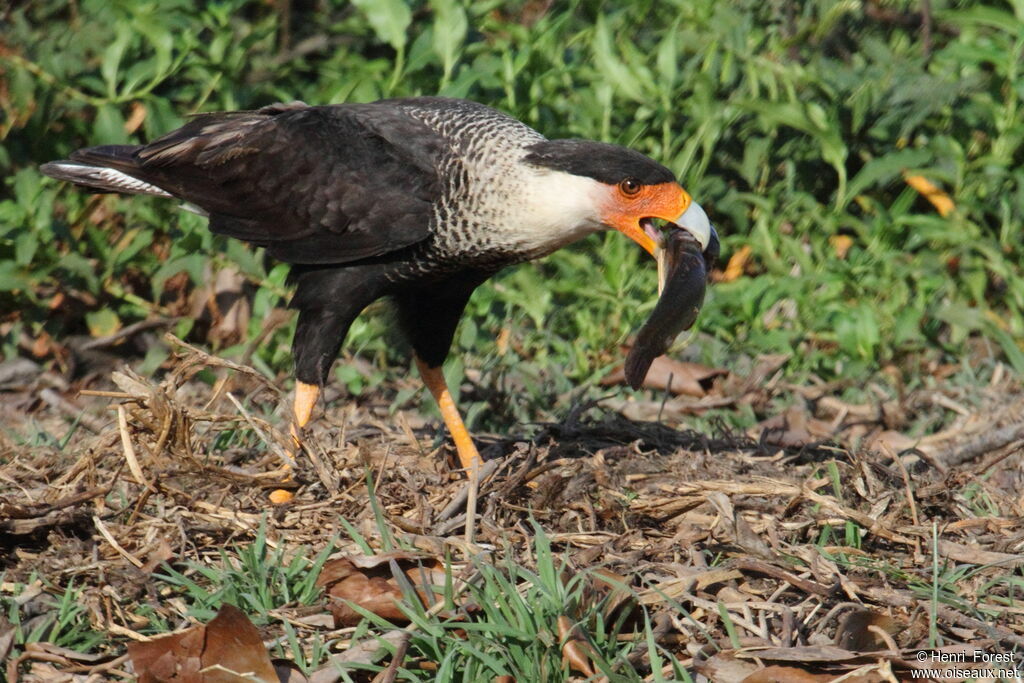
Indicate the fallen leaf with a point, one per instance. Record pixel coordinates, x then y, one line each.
227 650
933 193
789 674
759 378
966 554
157 556
889 439
690 379
620 603
854 632
749 540
102 323
803 654
737 263
724 668
576 650
785 674
44 345
841 244
792 429
136 118
369 582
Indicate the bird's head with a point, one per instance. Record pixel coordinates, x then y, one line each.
629 192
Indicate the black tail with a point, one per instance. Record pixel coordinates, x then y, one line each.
108 168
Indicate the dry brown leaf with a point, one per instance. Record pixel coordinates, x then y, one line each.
959 552
575 648
136 118
725 668
759 378
222 303
804 654
841 244
369 582
157 556
620 601
854 632
737 264
681 378
932 192
792 429
749 540
891 439
789 674
227 650
786 674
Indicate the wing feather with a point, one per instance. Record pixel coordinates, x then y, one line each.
315 185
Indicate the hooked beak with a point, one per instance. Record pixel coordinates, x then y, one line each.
634 217
694 221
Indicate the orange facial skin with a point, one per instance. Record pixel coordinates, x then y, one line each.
629 202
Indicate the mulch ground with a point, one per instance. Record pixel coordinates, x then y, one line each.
786 550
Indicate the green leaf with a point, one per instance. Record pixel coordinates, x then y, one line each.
25 246
884 169
109 125
668 61
102 323
390 19
450 27
1010 347
611 66
76 264
12 278
112 56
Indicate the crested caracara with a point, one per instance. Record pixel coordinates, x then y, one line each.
418 199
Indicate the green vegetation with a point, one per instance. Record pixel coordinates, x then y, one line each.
60 618
253 577
795 123
792 122
506 622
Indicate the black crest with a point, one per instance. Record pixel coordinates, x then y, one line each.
601 161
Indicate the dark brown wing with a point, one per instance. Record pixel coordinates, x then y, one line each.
315 185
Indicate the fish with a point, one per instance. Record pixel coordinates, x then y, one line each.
685 277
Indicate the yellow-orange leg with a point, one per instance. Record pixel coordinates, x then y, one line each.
434 379
302 407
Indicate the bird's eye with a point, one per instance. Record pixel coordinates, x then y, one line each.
629 186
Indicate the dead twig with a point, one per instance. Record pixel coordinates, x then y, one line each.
129 451
980 445
63 405
202 358
462 496
752 565
126 332
389 674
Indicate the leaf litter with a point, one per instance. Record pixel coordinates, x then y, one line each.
824 543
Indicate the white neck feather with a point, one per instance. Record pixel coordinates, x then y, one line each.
549 210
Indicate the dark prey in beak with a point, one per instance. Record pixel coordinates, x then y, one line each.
679 303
